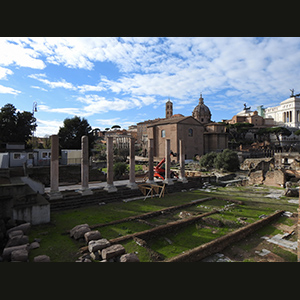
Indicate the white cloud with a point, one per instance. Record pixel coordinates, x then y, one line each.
53 84
16 51
107 123
39 88
63 110
47 127
254 69
8 90
96 104
4 72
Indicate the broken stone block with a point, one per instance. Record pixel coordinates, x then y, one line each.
92 235
42 258
19 255
17 240
129 257
34 245
96 245
95 255
15 233
290 192
24 227
78 231
112 251
7 251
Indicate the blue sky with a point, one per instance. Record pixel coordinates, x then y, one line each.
127 80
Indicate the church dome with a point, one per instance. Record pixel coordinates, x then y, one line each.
201 112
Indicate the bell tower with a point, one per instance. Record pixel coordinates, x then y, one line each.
169 109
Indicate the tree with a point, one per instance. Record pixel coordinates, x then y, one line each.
279 131
72 131
238 131
207 160
16 126
227 160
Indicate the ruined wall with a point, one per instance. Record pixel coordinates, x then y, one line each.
219 244
275 178
269 178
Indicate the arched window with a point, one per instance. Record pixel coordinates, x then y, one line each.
191 132
163 133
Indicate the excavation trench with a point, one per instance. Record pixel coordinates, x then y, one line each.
198 253
163 229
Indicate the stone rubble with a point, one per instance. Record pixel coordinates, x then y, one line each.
17 247
278 239
217 257
100 249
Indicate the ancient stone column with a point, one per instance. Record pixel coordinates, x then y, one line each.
182 177
168 179
110 165
132 183
150 160
54 169
85 190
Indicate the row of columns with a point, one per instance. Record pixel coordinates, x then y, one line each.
85 190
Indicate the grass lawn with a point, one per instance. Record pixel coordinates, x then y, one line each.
61 248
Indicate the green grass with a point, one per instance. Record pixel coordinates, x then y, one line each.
190 237
286 255
60 247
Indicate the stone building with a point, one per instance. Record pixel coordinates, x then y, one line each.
199 134
287 113
252 117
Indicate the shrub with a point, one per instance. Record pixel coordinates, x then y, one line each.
207 160
120 168
227 160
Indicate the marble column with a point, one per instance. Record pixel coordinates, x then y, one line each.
132 183
54 169
150 161
182 177
168 179
85 190
110 165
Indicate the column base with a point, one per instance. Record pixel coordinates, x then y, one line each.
168 181
183 180
110 188
86 192
55 195
132 185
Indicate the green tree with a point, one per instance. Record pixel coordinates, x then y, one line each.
238 131
279 131
16 126
72 131
207 160
227 160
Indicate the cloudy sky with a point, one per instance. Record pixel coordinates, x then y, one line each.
123 81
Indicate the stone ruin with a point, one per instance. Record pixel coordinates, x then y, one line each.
17 246
99 248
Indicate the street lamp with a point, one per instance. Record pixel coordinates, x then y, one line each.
34 109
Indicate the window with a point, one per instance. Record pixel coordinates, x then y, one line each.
163 133
190 132
30 155
44 155
17 156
